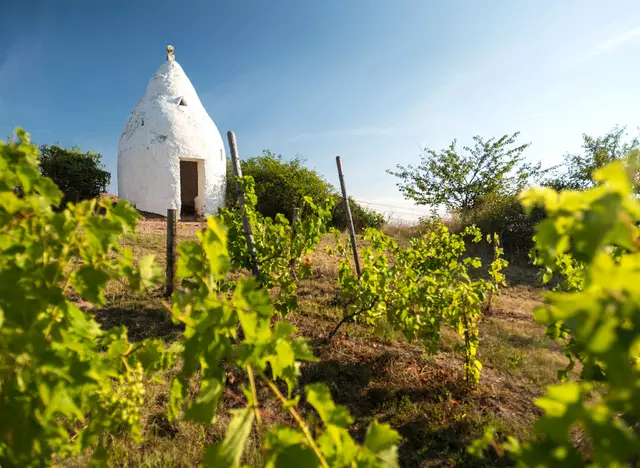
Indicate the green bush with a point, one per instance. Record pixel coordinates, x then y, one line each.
282 185
80 176
363 217
505 216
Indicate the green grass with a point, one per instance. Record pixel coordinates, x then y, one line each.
375 374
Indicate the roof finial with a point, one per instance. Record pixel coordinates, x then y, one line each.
170 57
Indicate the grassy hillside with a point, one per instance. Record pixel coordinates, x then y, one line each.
375 375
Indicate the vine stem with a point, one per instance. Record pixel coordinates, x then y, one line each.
299 420
341 322
349 317
132 349
254 393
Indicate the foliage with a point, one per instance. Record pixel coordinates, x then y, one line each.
571 274
598 228
597 152
504 215
362 216
422 287
80 176
267 352
281 249
460 180
63 381
281 186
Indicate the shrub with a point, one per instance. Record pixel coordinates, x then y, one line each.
80 176
282 185
505 216
363 217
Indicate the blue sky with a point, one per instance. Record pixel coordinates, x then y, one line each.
372 81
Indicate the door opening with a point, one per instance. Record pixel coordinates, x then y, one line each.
188 187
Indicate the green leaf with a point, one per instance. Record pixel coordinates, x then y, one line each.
48 189
126 213
555 402
283 358
380 437
302 350
294 456
204 408
285 448
150 271
176 398
229 451
89 282
61 404
319 397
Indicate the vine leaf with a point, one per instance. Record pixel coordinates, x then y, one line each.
89 282
319 397
381 440
229 451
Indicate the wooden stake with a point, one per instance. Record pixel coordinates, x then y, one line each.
292 261
172 238
347 212
235 159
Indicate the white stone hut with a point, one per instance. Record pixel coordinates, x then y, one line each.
171 154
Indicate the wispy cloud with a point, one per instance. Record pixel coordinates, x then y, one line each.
607 46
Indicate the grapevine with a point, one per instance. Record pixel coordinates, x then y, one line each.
64 382
420 288
268 353
57 367
282 249
597 228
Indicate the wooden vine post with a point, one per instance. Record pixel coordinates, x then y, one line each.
235 159
172 240
347 212
292 261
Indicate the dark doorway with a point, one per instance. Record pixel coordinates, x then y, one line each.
188 187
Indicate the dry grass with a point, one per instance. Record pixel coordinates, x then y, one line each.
376 376
402 229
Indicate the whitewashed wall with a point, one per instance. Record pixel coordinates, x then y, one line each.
158 134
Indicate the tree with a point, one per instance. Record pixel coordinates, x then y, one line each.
80 176
280 185
598 152
460 180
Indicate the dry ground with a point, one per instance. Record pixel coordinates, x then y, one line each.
423 396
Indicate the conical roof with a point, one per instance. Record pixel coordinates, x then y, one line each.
170 107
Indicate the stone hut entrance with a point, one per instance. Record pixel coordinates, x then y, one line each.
188 187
